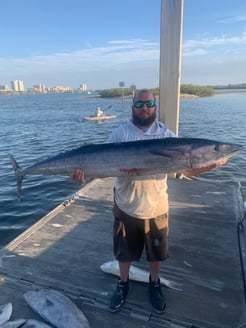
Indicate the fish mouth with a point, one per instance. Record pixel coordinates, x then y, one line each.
234 149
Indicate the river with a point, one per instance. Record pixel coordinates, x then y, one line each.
33 127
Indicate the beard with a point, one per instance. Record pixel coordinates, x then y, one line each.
143 122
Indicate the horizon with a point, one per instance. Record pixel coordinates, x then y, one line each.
53 43
48 90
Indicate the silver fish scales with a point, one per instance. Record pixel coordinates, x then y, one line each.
56 308
133 158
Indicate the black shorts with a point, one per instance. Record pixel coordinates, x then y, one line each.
132 234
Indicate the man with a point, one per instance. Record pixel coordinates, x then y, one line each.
141 206
99 112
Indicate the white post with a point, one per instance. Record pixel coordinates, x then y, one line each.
170 62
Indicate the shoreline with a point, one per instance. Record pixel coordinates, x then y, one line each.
187 95
182 95
218 91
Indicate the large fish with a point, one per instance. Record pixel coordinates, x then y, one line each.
133 158
56 308
137 274
5 312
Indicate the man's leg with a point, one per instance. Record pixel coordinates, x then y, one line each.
156 297
119 295
128 245
155 270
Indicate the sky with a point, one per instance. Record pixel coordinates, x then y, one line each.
103 42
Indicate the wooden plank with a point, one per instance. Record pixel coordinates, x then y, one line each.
65 251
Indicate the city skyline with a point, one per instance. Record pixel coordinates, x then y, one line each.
103 43
18 86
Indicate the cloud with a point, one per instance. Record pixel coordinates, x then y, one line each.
233 19
133 60
206 45
205 71
116 55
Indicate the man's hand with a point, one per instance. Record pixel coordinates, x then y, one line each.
206 169
78 176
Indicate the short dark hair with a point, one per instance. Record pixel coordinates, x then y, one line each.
143 91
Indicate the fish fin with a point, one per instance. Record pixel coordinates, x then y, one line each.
167 152
18 174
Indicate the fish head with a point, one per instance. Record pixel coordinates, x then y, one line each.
40 298
33 297
110 267
212 152
31 294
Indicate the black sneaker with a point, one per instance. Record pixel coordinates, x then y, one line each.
156 297
119 296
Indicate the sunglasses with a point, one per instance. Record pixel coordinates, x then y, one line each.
148 103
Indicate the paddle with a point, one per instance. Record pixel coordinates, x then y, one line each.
109 106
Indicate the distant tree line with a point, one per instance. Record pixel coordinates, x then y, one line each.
230 86
195 90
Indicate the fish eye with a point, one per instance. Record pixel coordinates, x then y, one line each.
217 147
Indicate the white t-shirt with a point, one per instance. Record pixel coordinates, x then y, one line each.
141 197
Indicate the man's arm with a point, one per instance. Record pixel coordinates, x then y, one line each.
78 176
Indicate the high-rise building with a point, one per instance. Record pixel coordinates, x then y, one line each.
83 87
39 88
4 87
17 85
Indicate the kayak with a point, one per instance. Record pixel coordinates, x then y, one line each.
99 118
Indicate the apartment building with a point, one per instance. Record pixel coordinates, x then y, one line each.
17 85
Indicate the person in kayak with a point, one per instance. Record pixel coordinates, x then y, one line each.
99 112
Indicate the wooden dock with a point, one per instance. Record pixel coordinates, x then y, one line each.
64 251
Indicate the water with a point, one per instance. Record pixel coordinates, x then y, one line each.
37 126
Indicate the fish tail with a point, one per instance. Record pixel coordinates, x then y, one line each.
18 174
